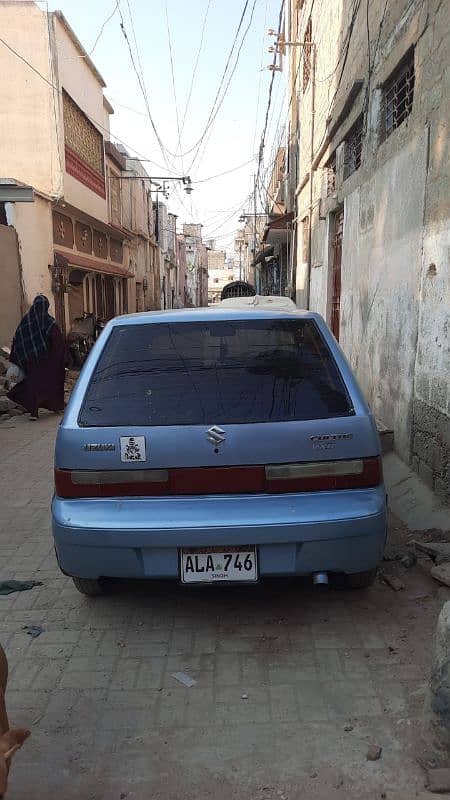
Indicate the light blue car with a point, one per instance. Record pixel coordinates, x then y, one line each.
218 445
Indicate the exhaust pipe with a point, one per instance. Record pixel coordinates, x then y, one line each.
320 578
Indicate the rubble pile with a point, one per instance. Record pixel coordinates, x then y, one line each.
8 409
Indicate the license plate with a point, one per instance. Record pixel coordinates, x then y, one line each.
219 565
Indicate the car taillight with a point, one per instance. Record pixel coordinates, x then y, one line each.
274 479
110 483
314 476
154 483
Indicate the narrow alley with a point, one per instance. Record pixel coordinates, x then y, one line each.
224 399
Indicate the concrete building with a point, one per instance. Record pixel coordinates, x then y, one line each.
368 180
183 300
131 207
166 226
172 262
87 240
196 265
219 273
277 254
247 246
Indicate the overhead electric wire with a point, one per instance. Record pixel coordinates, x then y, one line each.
144 93
100 33
140 76
133 30
224 222
215 217
221 174
218 101
225 92
174 90
258 100
269 100
194 73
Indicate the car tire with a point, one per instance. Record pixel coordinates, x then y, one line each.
90 587
358 580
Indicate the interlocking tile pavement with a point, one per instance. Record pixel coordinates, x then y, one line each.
280 669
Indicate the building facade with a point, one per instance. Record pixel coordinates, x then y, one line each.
131 208
368 180
219 273
88 240
248 248
196 265
277 255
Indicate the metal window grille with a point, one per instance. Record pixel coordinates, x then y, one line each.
331 175
237 289
399 96
353 148
307 50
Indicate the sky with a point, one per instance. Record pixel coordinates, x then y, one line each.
157 30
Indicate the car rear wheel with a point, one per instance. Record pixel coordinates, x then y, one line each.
89 586
358 580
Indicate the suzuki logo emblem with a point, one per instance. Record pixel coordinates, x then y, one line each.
215 435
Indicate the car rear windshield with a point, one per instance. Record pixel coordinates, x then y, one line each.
221 372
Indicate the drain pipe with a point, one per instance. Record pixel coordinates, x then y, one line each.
320 578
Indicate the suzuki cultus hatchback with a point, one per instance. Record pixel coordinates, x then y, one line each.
218 445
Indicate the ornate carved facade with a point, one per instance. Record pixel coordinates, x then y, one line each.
86 240
83 147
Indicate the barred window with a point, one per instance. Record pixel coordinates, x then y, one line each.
307 51
330 171
399 95
353 148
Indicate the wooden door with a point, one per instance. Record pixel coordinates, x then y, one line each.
336 272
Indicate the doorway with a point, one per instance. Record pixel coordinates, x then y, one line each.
336 262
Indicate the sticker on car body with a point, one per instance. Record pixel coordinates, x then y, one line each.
132 448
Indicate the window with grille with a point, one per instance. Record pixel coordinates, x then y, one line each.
330 171
307 52
399 95
353 148
82 136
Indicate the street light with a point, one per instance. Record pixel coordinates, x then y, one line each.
187 183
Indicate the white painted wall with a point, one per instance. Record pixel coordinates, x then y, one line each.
28 141
321 270
78 80
432 384
217 279
33 223
79 196
381 267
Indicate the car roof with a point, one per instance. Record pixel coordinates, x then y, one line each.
260 301
208 314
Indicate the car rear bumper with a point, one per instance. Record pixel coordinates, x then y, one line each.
295 534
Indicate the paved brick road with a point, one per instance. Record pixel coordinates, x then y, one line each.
109 721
